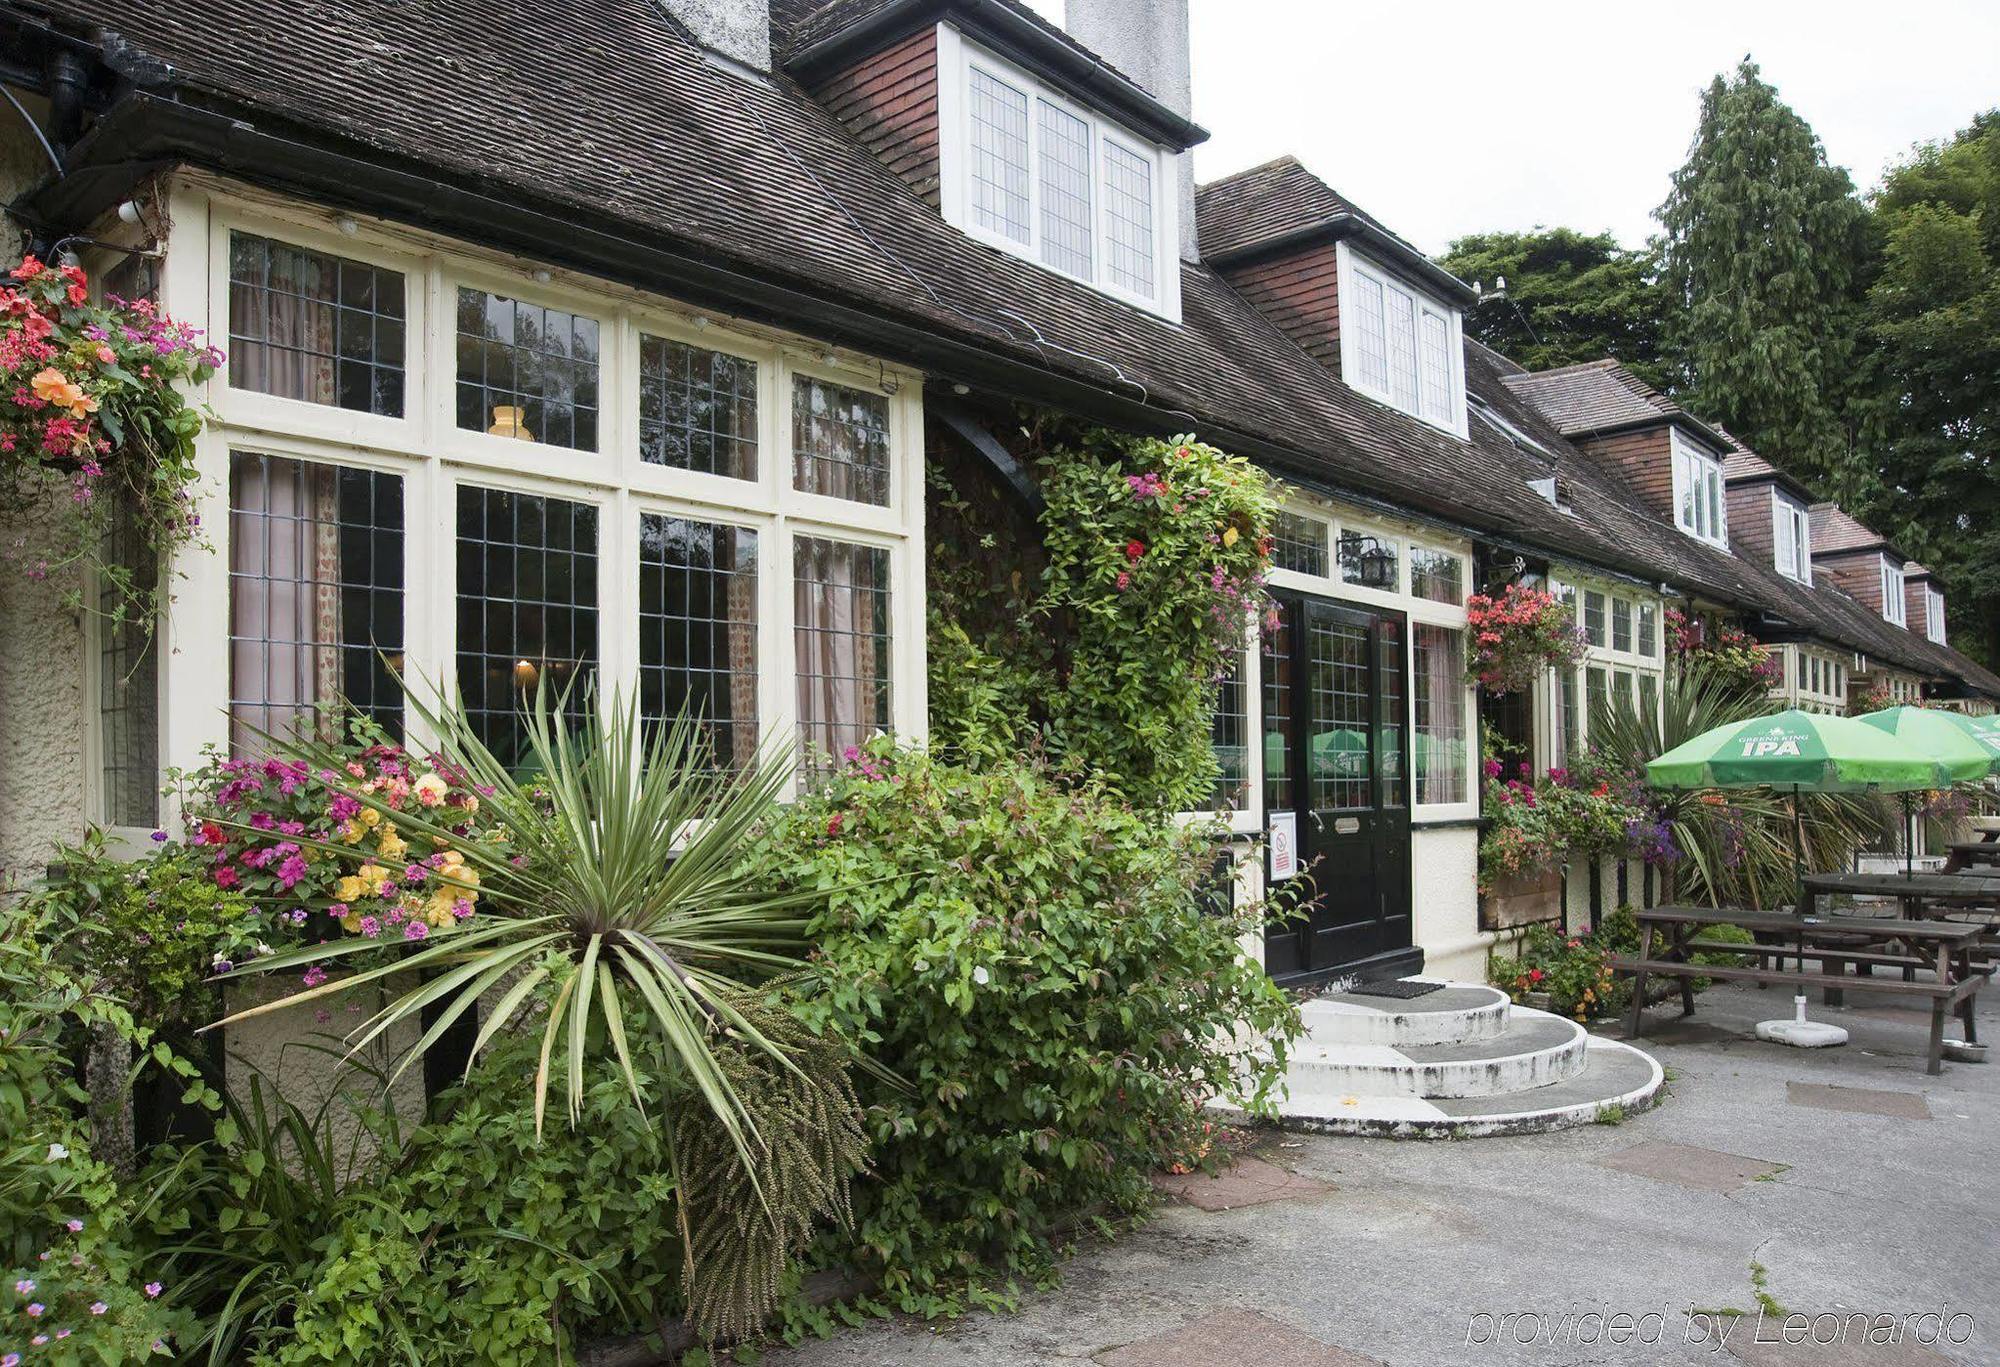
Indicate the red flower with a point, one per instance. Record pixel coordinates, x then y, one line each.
1134 549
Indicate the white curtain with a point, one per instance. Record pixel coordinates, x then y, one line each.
284 596
842 648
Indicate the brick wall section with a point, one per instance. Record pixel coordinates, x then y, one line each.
1752 533
889 101
1645 458
1300 292
1858 573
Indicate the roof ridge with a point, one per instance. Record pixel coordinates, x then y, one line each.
1284 159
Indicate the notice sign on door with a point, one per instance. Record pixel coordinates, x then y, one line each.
1284 846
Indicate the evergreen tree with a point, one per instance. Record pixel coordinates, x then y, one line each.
1570 297
1932 369
1762 254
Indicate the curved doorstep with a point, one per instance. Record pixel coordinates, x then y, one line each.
1534 1050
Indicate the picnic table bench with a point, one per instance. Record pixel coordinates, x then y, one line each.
1944 947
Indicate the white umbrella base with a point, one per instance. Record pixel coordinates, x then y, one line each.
1801 1034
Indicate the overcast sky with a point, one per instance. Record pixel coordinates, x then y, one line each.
1446 118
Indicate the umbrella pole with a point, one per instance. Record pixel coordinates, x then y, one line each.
1798 847
1909 836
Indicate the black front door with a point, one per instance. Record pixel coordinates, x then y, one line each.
1336 758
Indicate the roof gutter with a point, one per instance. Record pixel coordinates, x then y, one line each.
1014 36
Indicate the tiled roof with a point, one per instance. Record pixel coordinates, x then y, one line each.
667 150
1265 204
1835 532
1593 396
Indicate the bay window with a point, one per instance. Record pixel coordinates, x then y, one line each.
1031 171
562 488
1622 660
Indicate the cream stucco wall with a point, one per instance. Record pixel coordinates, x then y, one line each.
1444 896
41 641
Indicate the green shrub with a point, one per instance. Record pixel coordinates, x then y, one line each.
1032 963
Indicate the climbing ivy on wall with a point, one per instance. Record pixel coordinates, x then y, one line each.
1104 641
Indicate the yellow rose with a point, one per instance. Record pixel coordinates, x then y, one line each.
374 875
351 922
350 834
1230 536
350 889
369 816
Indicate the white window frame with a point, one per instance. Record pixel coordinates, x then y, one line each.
1698 470
1797 687
1399 599
957 55
1573 585
427 449
1934 614
1791 533
1894 607
1353 266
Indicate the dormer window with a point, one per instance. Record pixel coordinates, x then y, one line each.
1892 593
1698 503
1400 345
1934 614
1792 534
1034 173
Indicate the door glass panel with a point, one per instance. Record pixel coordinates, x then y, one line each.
1278 667
1341 766
1389 731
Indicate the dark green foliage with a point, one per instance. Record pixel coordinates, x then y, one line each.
1933 373
1763 250
1031 961
1570 297
1104 642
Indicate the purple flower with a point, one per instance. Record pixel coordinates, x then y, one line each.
159 837
75 1226
153 1289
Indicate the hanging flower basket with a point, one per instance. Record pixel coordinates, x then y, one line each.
92 412
1517 634
1725 652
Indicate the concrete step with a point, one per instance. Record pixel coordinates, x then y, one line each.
1454 1014
1534 1049
1616 1081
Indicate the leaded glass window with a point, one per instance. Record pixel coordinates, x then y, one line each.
526 371
697 409
316 580
315 327
527 610
840 441
841 630
698 631
999 156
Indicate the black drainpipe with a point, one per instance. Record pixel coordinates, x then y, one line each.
67 79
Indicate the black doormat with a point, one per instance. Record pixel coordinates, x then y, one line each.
1396 987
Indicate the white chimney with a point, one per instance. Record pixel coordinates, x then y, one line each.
1147 40
737 29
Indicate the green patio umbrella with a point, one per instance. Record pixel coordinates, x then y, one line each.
1803 751
1983 731
1936 734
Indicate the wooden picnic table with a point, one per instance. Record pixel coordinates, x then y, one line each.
1964 856
1912 890
1944 947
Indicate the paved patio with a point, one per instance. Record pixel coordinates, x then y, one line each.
1840 1182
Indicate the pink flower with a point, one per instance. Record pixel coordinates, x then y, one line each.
35 1309
314 976
415 930
153 1290
370 927
1124 581
75 1226
1134 549
98 1307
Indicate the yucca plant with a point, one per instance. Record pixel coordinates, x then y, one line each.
1735 847
618 893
